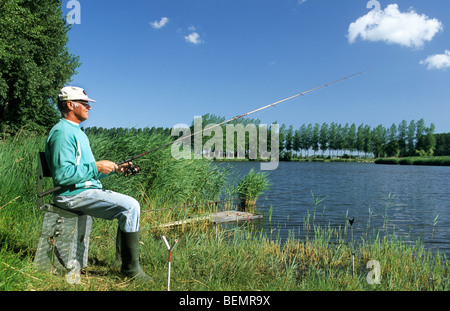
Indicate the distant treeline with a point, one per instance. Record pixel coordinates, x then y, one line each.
405 139
402 140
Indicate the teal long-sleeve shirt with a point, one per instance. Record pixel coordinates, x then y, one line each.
70 159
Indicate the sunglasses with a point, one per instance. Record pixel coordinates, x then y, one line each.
86 105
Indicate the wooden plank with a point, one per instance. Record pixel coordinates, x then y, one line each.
185 221
231 216
217 218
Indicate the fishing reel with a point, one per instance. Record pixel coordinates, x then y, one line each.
132 169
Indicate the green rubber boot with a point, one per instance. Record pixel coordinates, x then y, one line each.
129 251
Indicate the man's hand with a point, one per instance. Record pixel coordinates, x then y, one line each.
106 167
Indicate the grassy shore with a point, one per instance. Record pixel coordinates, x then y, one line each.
434 161
239 261
207 257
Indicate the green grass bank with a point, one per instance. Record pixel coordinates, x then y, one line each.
433 161
239 261
207 257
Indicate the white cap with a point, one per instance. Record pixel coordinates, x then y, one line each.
73 93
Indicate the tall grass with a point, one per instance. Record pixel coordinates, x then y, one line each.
250 188
19 218
163 182
237 260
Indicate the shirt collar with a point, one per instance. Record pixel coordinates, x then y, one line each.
74 123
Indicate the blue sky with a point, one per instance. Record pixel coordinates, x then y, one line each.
162 62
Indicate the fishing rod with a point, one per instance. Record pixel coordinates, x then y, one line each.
134 169
238 117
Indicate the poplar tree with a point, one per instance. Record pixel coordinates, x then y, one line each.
307 138
297 141
401 137
315 138
332 137
410 138
289 138
359 145
367 139
420 131
392 147
323 137
351 138
378 140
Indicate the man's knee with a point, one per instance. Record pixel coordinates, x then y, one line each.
134 205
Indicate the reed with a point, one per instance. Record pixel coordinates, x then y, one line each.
164 182
250 188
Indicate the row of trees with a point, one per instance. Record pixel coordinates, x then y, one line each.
399 140
405 139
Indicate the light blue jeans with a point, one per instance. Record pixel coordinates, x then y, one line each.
105 204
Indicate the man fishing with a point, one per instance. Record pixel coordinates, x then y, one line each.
74 169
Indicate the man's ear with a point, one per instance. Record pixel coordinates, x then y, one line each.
70 105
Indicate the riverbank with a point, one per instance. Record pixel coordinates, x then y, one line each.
207 257
434 161
305 159
431 161
236 260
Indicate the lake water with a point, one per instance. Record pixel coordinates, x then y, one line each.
406 198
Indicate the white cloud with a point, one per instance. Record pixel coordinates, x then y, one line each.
437 61
160 24
193 38
392 26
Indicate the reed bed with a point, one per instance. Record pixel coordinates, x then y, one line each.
434 161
